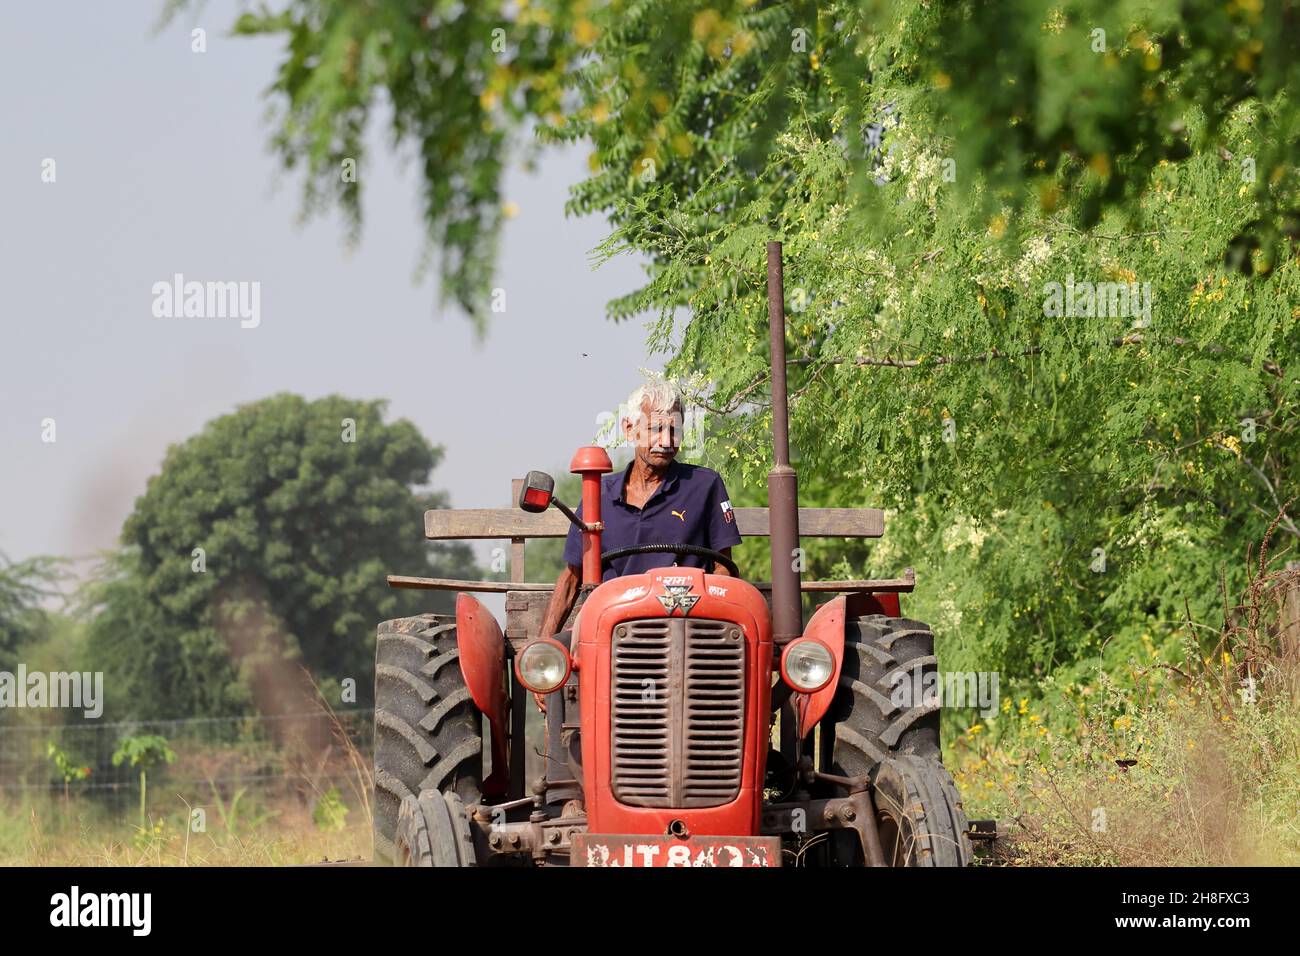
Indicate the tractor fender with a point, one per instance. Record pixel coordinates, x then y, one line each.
827 625
482 649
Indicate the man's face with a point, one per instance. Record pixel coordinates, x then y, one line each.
657 435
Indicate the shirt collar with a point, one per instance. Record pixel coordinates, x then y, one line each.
669 482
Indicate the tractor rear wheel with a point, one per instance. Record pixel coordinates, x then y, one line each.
433 830
428 733
919 814
875 711
884 724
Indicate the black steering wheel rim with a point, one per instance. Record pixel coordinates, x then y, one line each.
694 549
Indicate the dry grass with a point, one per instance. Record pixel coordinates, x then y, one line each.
240 828
1196 763
49 833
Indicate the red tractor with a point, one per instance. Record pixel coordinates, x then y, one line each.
692 719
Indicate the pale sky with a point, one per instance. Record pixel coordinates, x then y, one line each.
162 167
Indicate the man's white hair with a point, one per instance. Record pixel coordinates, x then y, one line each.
664 396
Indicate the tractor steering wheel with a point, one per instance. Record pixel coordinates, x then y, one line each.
700 552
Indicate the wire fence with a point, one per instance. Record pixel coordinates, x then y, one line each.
284 753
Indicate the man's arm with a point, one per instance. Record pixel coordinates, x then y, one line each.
562 598
722 531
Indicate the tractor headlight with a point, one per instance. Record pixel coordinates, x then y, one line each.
807 665
543 666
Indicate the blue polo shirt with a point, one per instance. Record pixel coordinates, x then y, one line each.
690 506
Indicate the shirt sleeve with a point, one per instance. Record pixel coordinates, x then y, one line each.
722 518
573 543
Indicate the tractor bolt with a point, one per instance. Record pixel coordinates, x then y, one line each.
553 837
849 813
494 841
828 815
514 839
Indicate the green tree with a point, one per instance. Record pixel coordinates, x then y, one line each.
67 768
261 547
456 83
143 752
24 586
1063 476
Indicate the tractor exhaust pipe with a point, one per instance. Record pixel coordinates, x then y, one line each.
782 482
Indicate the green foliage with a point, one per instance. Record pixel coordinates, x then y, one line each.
298 528
455 82
932 168
1151 763
237 817
24 585
68 769
330 813
145 751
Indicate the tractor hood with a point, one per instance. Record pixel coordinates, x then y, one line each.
675 592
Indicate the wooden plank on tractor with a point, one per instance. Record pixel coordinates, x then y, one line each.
445 524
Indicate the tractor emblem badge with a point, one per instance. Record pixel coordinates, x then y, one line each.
678 596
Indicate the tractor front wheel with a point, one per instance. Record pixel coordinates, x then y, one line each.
919 814
433 830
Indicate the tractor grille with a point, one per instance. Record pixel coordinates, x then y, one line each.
677 720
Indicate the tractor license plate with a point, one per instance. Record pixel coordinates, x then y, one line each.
639 850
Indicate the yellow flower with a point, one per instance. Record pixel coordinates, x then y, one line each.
585 32
705 22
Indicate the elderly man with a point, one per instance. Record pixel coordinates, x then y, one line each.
655 500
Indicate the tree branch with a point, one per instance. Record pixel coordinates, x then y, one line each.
1272 368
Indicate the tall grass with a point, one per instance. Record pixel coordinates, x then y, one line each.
1192 762
242 830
